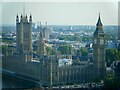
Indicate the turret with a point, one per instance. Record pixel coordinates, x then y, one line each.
30 19
21 18
25 19
17 19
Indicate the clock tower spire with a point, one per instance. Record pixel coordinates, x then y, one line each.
99 50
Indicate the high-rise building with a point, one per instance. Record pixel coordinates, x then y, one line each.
46 31
99 50
24 35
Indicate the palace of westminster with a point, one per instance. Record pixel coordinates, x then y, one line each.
46 70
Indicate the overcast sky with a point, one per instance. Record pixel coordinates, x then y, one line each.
63 13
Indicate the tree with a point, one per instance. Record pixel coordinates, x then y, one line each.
4 49
64 49
111 82
112 55
84 51
70 38
86 38
50 51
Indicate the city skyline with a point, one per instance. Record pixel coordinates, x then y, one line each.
62 13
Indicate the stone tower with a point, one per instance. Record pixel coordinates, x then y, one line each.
41 44
99 50
24 36
19 35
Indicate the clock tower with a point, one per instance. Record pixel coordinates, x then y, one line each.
99 50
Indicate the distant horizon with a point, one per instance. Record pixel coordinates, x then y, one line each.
59 25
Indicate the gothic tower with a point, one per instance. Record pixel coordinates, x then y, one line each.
19 35
99 50
24 36
41 44
41 51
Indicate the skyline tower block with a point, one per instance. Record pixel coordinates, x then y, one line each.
99 50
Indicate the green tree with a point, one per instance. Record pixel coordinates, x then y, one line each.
64 49
70 38
86 38
111 82
112 55
50 51
83 51
4 48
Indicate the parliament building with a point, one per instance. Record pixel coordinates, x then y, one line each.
46 71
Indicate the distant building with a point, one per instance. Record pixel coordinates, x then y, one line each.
111 44
65 61
119 38
46 31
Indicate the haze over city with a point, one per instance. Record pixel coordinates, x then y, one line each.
62 13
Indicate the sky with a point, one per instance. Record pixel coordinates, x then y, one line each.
62 13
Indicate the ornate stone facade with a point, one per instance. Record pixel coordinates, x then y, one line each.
99 50
46 70
24 36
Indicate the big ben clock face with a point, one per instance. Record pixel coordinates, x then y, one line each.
101 41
